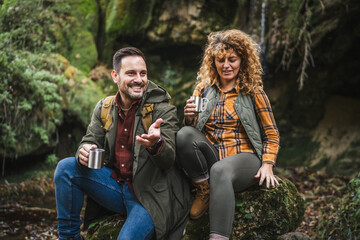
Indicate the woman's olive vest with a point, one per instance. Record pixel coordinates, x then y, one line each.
244 108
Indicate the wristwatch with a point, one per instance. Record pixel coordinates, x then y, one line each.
157 144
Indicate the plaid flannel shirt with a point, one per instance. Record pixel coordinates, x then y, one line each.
225 131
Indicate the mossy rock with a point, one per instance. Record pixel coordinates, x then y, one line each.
267 213
82 95
260 214
84 53
106 228
123 16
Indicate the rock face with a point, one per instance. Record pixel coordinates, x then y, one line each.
260 214
316 38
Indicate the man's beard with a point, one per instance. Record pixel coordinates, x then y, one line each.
135 96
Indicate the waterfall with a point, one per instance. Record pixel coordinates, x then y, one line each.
263 21
262 41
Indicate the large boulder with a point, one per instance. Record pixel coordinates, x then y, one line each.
265 213
76 32
260 214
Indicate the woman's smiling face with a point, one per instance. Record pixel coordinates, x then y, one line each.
228 66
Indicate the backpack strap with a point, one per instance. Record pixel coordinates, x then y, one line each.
105 116
146 113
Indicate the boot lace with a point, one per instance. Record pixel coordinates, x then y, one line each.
203 191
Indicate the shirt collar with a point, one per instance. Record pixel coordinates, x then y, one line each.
118 101
216 82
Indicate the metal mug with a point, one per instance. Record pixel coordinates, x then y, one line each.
200 103
96 156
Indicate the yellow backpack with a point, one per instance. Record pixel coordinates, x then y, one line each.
106 118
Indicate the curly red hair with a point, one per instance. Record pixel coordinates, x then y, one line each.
219 43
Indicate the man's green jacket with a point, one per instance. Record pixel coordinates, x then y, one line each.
159 184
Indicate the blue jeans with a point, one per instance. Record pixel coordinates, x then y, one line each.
72 181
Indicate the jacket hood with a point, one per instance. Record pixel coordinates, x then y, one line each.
155 93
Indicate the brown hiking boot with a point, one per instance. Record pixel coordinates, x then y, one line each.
201 202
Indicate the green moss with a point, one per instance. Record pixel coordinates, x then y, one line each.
86 13
105 228
82 96
84 53
123 16
267 213
343 222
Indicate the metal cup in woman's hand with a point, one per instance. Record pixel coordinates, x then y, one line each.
96 156
200 103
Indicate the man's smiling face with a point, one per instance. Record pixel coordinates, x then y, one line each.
131 78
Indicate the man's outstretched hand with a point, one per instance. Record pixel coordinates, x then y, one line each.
148 140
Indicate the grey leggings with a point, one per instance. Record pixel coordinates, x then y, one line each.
232 174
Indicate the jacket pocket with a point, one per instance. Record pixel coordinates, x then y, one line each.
159 187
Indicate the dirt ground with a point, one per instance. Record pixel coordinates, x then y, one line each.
27 209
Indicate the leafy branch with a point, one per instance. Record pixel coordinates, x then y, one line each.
302 45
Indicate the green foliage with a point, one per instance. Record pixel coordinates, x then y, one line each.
344 222
52 160
33 88
180 84
48 26
350 211
30 100
26 24
86 12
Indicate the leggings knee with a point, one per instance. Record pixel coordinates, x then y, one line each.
184 136
218 173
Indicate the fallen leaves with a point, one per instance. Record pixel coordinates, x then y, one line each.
27 209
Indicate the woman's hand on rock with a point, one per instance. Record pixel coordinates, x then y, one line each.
266 173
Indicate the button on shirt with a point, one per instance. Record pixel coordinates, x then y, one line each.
123 145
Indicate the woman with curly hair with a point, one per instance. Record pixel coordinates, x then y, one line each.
234 142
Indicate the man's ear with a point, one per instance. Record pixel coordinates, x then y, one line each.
114 76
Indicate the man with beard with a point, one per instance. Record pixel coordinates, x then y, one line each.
140 179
